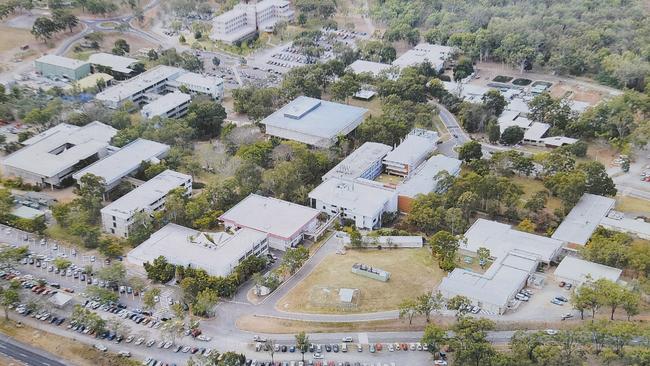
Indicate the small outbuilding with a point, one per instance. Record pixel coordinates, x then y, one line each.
577 271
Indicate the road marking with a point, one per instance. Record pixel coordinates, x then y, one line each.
22 354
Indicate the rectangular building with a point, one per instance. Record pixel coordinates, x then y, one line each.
313 121
124 162
577 271
362 201
51 157
424 179
211 86
418 145
52 66
119 66
217 253
364 162
172 105
117 217
374 68
434 54
285 223
584 218
134 90
245 20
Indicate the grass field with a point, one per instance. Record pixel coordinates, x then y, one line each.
413 272
632 205
532 186
74 352
56 232
11 38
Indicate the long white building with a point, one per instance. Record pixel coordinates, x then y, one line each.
245 19
159 80
124 162
172 105
51 157
117 218
217 253
362 201
418 145
284 222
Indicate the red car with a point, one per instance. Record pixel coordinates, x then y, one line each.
378 347
404 346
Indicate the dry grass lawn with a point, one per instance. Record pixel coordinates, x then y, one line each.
532 186
413 272
74 352
633 205
11 38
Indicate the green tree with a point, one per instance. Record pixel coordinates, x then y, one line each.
470 151
105 295
459 303
345 87
464 68
483 255
470 341
205 301
434 337
114 273
8 297
149 297
302 344
444 246
61 263
160 270
428 302
494 132
408 309
44 28
512 135
205 117
494 101
294 258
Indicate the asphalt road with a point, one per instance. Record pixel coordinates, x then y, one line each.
26 354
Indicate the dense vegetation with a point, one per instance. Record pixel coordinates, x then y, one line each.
607 39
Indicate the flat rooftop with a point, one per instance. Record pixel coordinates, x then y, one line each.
214 252
117 63
433 53
423 180
66 62
165 103
126 160
583 219
375 68
417 144
355 164
127 88
276 217
363 197
502 239
144 195
579 270
192 78
536 131
315 117
52 152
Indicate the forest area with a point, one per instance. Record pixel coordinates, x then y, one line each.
607 40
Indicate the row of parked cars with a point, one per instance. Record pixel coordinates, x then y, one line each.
41 315
316 363
524 295
319 349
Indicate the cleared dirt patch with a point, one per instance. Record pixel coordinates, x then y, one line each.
413 272
633 205
11 38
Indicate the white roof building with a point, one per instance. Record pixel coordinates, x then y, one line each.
516 256
435 54
364 162
172 105
116 63
374 68
361 200
413 151
577 271
245 19
199 84
149 197
313 121
52 156
284 222
636 227
125 161
584 218
217 253
557 141
423 180
153 80
502 239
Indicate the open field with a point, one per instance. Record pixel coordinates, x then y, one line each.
413 272
106 45
531 186
70 350
11 38
633 205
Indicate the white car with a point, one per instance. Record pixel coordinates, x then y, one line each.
101 347
551 331
347 339
124 353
